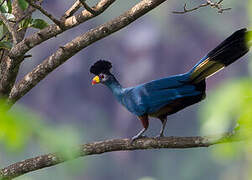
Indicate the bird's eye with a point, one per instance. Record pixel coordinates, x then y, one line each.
101 76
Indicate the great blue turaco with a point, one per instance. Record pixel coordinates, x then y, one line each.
162 97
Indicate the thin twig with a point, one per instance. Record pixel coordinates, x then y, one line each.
216 5
50 16
89 9
27 14
3 36
2 54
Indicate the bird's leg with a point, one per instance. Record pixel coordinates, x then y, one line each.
145 121
139 135
163 120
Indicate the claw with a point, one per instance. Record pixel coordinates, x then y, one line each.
139 135
134 138
160 135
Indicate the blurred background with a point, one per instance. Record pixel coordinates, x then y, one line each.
157 45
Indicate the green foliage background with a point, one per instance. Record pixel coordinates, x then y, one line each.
229 108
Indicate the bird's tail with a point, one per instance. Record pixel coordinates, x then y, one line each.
224 54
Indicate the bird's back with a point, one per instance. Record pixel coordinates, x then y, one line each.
166 95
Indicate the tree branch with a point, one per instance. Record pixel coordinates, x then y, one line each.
26 14
80 42
216 5
84 4
53 30
100 147
75 7
10 28
9 67
50 16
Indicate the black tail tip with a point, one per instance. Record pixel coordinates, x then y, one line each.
232 48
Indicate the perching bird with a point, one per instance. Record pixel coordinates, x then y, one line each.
160 98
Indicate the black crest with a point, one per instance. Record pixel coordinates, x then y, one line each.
101 66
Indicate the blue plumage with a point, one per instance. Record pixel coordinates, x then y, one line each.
160 98
150 97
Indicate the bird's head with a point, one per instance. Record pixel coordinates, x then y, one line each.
101 70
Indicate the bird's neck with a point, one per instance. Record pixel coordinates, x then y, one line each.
114 86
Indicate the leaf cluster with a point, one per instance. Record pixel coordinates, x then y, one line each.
27 22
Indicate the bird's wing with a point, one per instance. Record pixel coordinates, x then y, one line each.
151 96
159 98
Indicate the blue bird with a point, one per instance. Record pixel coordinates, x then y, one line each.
162 97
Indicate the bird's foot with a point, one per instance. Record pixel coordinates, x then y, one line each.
160 135
134 138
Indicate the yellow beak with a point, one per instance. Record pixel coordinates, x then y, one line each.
96 80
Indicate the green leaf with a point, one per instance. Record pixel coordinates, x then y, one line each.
4 8
23 4
16 127
220 111
39 24
35 23
26 23
5 45
9 4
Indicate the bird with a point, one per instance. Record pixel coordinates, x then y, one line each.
168 95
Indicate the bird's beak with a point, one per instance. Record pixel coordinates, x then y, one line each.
96 80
